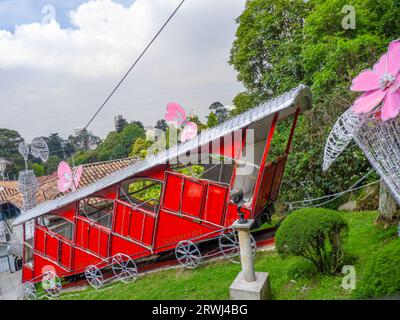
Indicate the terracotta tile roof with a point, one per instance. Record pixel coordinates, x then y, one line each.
9 184
91 173
5 193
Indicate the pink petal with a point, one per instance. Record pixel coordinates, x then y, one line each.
391 107
175 113
381 66
394 57
64 172
368 101
366 81
189 131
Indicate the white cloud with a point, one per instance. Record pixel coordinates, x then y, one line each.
54 78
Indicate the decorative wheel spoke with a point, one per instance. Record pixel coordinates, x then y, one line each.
51 284
27 291
188 254
229 245
123 267
94 277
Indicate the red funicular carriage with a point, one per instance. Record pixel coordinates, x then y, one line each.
170 202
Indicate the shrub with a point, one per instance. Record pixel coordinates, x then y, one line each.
315 234
382 273
301 268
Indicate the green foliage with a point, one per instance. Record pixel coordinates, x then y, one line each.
140 147
300 268
212 120
268 37
220 111
119 145
146 190
281 44
38 169
121 124
382 273
52 164
315 234
9 141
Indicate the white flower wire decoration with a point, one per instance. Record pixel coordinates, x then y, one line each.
38 148
28 186
344 130
28 183
379 140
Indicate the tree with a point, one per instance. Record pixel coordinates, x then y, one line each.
55 143
121 124
138 123
140 147
195 118
9 141
38 169
162 125
281 44
267 45
84 140
212 120
221 111
52 164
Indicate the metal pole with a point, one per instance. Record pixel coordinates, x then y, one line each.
246 252
246 255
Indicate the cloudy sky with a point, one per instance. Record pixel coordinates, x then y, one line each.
59 59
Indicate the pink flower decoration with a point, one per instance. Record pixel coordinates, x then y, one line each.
381 84
176 114
68 179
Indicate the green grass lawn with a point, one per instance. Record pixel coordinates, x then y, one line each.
211 281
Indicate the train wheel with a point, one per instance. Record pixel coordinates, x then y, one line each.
51 284
229 245
188 254
94 277
27 291
123 267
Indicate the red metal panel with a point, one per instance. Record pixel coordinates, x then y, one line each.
66 255
192 197
172 229
121 245
280 168
42 265
119 213
52 247
40 240
122 219
136 225
83 259
215 203
94 240
264 159
172 192
148 230
27 274
104 243
264 193
82 233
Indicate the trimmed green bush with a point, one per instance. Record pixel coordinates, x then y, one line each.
300 268
315 234
382 273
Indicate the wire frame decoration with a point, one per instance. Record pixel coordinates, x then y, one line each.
343 132
374 120
28 186
38 148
